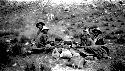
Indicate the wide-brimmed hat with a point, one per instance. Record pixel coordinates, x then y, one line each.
40 23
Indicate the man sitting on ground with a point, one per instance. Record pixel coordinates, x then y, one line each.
41 34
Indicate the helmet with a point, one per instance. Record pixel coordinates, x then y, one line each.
40 24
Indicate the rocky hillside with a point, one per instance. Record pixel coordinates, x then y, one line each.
80 37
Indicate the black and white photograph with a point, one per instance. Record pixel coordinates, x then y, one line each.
62 35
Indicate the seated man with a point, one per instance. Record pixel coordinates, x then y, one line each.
42 34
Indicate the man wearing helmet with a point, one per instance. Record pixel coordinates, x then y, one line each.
41 34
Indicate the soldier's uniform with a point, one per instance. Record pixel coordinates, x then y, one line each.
42 37
42 40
